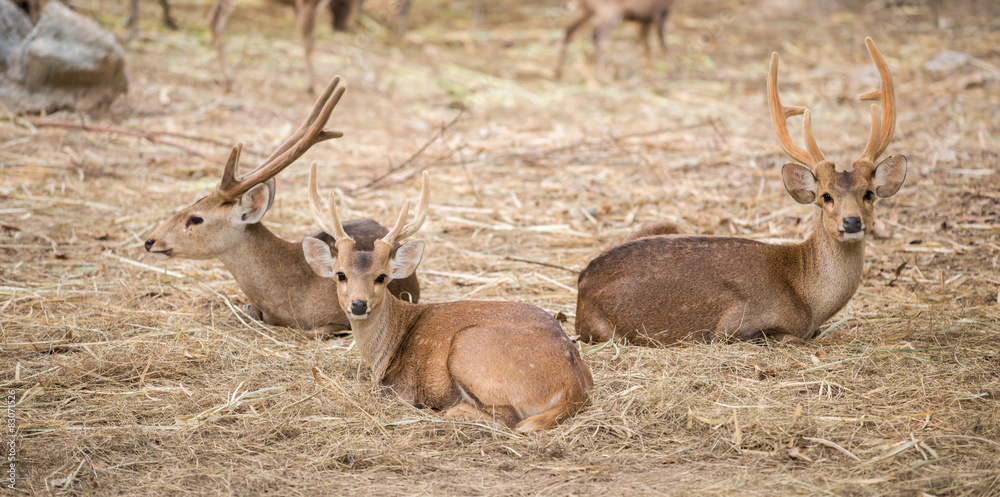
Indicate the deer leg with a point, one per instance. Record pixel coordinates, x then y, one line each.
217 19
306 19
644 27
133 16
399 22
601 31
661 23
253 312
167 20
584 16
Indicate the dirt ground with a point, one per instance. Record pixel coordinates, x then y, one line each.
135 375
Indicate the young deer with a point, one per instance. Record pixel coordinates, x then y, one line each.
507 361
272 272
666 289
609 13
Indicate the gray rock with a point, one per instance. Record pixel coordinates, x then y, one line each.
66 61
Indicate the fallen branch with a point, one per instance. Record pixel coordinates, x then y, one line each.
151 136
413 156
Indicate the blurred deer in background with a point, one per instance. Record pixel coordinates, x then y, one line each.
344 13
272 272
506 361
660 290
609 13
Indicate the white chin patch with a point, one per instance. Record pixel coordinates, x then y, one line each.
852 236
358 316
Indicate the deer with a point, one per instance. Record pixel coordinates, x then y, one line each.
343 12
665 289
508 362
272 272
609 13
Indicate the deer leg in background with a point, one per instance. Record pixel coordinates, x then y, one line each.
584 16
644 28
306 20
344 13
167 20
217 19
600 31
402 13
661 23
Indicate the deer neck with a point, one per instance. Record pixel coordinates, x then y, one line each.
263 264
832 271
380 335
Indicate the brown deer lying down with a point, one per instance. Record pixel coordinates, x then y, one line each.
660 290
272 272
609 13
507 361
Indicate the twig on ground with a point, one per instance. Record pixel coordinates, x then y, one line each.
413 156
150 135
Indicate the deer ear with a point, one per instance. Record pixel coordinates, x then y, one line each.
319 257
800 183
252 205
404 262
889 175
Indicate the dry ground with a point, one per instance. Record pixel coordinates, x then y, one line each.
133 375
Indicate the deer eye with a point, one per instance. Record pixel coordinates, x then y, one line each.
341 276
827 198
194 220
869 195
380 279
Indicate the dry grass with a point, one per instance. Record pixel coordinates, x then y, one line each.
134 375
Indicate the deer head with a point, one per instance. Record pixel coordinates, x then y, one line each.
846 197
362 276
215 223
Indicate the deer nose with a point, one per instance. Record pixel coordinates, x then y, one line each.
359 307
852 225
149 244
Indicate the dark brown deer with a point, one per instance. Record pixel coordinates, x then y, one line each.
664 289
506 361
272 272
608 13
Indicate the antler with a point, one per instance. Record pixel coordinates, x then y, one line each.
778 115
399 231
309 133
334 228
882 131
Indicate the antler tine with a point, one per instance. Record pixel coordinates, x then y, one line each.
231 168
421 214
397 228
331 226
886 94
814 152
870 152
779 113
324 97
309 133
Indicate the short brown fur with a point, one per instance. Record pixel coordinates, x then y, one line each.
271 271
665 289
505 361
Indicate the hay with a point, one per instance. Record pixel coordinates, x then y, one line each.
135 375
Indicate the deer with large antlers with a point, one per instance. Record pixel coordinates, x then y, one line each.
506 361
661 290
272 272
